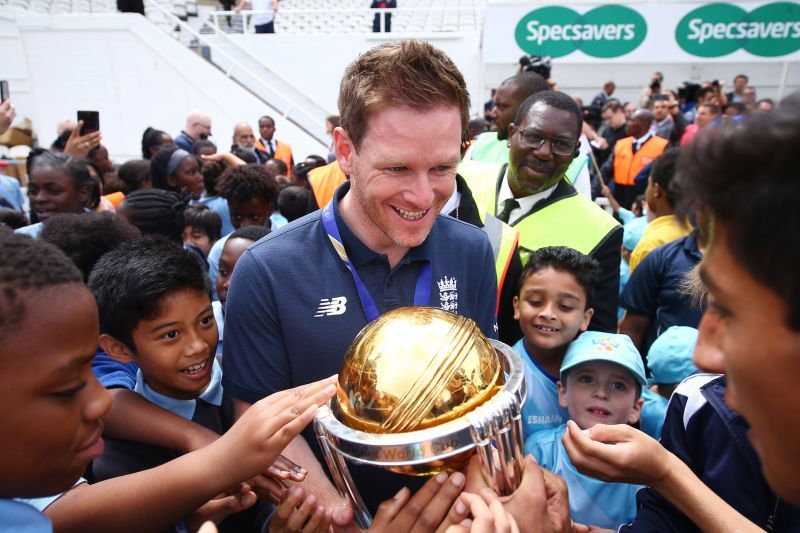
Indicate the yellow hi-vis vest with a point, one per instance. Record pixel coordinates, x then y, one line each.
504 240
573 221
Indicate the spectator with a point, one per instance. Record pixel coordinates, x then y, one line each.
668 122
12 218
387 17
152 141
601 98
331 123
198 126
670 359
264 20
204 147
269 147
650 92
175 169
631 155
293 202
707 114
134 175
612 130
629 108
765 105
739 84
749 97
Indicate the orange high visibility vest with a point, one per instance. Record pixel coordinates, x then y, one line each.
283 151
627 164
324 181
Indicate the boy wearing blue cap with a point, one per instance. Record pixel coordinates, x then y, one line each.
670 359
602 377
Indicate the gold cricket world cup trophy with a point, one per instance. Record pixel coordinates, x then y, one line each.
420 391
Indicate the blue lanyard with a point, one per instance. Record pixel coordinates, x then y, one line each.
422 293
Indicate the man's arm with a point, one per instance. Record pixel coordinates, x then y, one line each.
640 300
606 295
634 326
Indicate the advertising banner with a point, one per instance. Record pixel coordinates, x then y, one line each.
644 33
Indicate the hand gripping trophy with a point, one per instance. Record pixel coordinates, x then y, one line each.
421 389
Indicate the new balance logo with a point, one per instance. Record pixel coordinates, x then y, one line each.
334 306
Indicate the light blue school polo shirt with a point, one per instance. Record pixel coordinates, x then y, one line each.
19 517
541 409
591 501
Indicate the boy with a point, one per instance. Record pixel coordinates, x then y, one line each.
202 228
552 308
252 195
234 248
670 359
51 408
602 377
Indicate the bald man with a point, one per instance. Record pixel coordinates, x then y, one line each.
198 126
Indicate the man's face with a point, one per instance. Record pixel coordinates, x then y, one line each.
704 116
630 109
506 102
739 83
201 128
660 109
615 119
175 350
52 404
600 392
402 174
243 137
551 309
637 126
254 212
266 128
533 169
749 96
744 333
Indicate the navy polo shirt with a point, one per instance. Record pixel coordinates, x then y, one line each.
653 288
293 309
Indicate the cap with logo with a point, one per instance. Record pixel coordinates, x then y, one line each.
610 347
632 232
670 355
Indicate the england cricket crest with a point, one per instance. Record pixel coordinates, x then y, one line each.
448 294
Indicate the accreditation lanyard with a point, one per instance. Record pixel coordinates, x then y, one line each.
422 293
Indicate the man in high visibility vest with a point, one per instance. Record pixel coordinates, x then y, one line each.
269 147
631 155
531 194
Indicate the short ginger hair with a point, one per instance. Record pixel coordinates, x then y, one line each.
399 73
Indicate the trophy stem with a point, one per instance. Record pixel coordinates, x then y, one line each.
337 466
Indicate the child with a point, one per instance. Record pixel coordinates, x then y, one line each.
174 169
233 249
552 309
212 171
51 406
293 202
202 227
252 195
670 359
631 234
602 377
58 183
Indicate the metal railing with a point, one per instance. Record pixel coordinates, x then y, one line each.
289 112
366 13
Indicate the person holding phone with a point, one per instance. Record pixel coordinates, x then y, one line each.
7 111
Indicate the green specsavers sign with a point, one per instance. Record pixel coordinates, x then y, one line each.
605 31
644 32
716 30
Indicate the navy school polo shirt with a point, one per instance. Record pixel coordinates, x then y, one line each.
653 288
293 309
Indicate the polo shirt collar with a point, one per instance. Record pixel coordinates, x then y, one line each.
690 246
358 252
184 408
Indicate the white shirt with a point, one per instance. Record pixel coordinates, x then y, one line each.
525 203
262 5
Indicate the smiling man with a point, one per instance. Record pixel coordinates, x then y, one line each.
532 195
300 296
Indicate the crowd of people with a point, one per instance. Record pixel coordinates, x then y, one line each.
172 324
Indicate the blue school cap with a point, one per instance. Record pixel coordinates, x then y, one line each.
632 232
611 347
670 355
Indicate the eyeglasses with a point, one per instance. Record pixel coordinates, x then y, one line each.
533 138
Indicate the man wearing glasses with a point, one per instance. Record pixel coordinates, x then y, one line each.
531 194
198 126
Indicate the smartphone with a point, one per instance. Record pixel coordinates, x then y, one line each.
91 121
4 95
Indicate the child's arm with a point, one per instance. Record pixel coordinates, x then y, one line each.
606 192
156 498
133 418
623 454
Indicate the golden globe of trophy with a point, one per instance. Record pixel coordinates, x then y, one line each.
420 391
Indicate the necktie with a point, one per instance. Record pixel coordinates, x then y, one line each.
508 206
635 147
271 149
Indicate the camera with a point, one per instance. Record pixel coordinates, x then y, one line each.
655 86
541 65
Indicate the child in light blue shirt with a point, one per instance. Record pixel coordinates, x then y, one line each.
602 377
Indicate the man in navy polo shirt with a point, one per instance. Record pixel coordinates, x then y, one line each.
300 296
653 300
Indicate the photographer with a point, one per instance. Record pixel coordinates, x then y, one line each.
650 92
